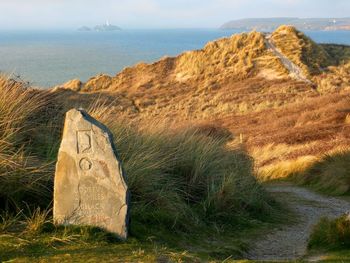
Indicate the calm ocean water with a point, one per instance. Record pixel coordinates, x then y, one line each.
50 58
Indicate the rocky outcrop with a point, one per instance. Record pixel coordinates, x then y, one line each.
97 83
74 85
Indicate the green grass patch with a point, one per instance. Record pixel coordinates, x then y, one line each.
21 242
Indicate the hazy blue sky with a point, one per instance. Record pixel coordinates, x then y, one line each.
157 13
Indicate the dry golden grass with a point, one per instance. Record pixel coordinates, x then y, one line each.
218 63
237 83
236 55
21 173
185 173
329 174
281 122
289 140
301 50
336 78
285 169
230 76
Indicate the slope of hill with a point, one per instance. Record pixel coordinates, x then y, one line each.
281 92
246 72
270 24
301 50
183 126
221 61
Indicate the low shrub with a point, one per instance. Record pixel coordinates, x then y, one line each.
331 234
330 174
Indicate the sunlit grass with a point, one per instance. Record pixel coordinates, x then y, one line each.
188 189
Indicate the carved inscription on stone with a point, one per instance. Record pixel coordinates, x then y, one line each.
84 141
85 164
90 187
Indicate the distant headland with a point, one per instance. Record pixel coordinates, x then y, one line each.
270 24
100 28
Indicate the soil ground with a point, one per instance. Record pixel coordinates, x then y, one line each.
289 242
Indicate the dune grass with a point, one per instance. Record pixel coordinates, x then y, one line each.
331 234
189 191
22 176
336 78
330 174
301 50
236 55
286 170
184 174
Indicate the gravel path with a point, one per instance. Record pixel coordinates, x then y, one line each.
289 242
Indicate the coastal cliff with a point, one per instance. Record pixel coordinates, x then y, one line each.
271 24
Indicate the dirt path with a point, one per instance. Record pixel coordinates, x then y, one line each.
295 71
290 241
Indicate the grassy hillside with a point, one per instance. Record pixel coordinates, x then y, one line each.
304 52
205 128
238 83
234 75
220 61
186 185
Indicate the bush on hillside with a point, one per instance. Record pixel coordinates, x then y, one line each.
331 234
330 174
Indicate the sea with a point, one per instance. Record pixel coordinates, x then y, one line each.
50 58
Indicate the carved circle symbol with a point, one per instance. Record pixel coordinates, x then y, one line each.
85 164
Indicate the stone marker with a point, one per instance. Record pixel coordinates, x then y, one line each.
89 188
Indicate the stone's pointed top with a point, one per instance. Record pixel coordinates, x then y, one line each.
75 112
82 114
90 187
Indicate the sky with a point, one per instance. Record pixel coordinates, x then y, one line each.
46 14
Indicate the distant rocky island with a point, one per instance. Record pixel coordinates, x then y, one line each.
271 24
100 28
